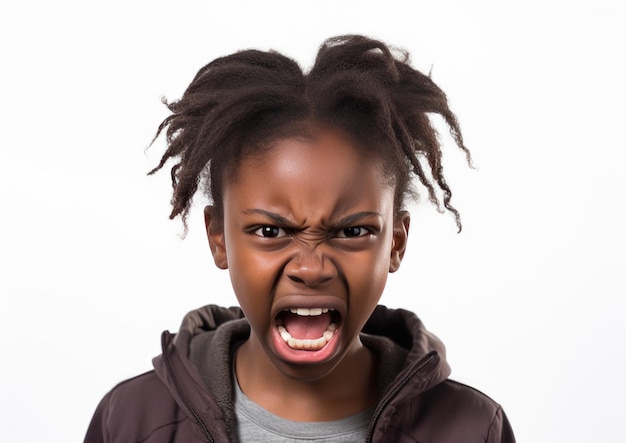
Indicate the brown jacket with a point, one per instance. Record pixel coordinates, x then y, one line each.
187 397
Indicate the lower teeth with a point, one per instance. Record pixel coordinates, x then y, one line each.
314 344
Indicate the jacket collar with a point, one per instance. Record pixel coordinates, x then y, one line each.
425 363
184 380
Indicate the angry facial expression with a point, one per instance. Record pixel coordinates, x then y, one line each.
309 235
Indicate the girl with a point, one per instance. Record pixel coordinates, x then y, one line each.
308 175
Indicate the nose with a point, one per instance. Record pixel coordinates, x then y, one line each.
310 267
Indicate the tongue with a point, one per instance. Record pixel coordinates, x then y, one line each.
302 327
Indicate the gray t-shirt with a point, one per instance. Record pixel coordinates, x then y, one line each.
255 424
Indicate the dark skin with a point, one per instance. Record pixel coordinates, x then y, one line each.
309 224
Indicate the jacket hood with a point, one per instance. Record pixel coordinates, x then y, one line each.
182 377
409 356
423 361
208 318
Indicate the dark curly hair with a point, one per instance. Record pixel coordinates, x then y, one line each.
238 104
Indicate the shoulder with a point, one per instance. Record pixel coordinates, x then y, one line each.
462 399
469 414
138 388
452 412
138 409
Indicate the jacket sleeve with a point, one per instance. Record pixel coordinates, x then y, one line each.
500 430
97 431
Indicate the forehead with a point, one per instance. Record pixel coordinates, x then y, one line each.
324 169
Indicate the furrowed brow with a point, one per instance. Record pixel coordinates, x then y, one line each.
349 220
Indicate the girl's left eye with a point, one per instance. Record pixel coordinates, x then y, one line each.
353 231
270 232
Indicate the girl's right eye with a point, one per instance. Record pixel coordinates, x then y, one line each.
269 232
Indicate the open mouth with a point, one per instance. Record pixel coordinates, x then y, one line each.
308 329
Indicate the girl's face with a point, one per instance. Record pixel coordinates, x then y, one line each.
309 236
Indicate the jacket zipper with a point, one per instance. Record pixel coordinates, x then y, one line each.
184 397
393 392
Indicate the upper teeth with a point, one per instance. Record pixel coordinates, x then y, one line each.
309 311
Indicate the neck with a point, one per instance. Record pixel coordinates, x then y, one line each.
310 394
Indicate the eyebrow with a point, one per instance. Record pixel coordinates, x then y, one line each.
278 219
354 218
282 221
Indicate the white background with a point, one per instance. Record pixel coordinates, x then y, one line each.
529 298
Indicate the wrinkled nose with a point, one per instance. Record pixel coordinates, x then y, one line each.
311 268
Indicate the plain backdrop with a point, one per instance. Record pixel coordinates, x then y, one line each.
529 298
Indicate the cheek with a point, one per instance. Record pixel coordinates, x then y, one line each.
252 275
374 280
368 274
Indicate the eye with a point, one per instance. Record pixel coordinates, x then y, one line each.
353 231
269 232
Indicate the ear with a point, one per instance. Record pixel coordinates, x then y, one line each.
401 223
215 233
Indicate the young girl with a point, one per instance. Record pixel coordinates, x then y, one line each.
308 176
